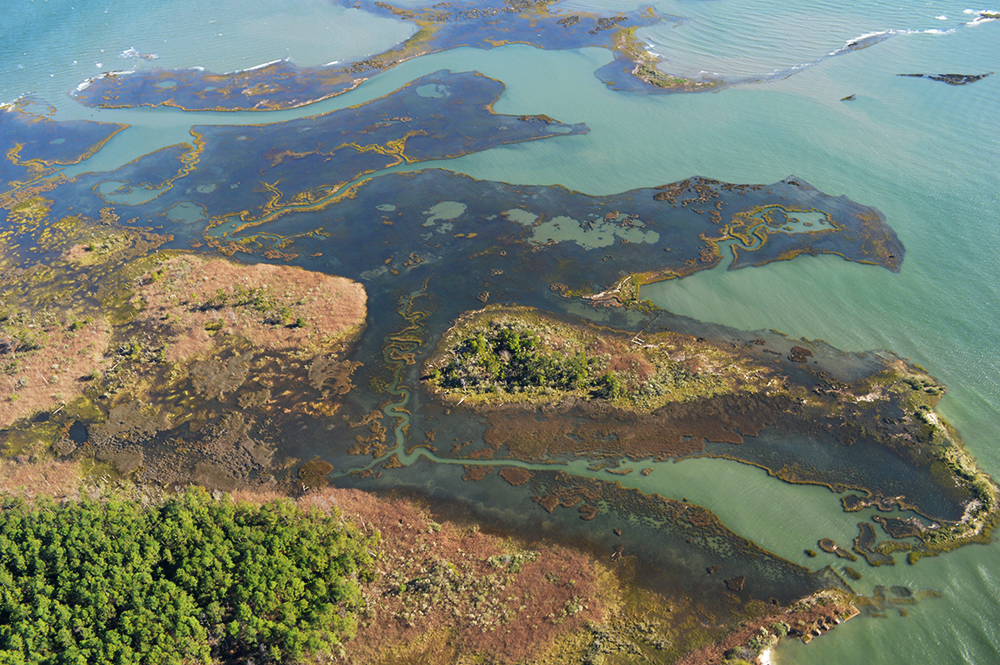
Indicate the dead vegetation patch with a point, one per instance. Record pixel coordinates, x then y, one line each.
481 593
476 473
43 366
516 475
274 307
57 480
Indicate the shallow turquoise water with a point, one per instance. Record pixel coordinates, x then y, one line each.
925 153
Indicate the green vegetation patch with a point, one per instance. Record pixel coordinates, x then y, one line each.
188 580
509 356
652 75
258 299
522 355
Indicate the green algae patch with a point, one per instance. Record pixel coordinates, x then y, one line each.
30 212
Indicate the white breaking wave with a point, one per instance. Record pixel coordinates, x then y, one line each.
133 53
985 16
260 66
858 43
6 106
868 39
86 82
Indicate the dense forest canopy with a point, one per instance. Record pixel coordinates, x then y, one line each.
190 579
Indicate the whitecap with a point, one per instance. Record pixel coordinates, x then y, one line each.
260 66
131 52
868 35
942 17
857 41
113 72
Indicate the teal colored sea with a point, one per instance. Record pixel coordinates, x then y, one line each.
925 153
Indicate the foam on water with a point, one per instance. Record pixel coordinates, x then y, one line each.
261 65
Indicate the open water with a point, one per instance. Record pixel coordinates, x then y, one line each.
925 153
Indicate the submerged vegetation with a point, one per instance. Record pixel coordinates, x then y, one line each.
190 579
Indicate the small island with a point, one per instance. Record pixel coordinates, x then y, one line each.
550 388
951 79
483 24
